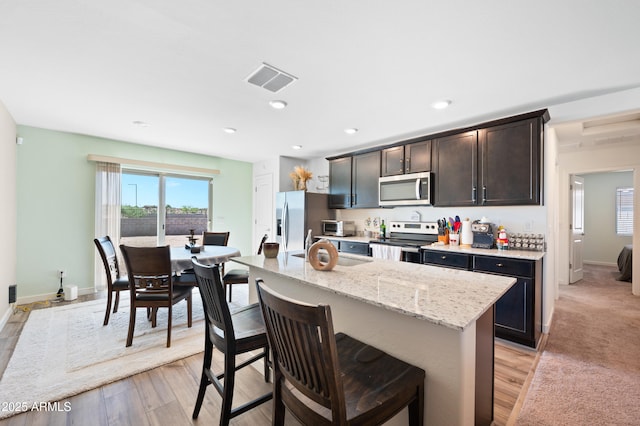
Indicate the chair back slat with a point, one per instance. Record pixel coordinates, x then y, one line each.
216 310
304 348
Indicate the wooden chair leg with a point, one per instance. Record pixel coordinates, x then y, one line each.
416 408
204 379
132 324
106 315
227 392
169 315
189 311
116 302
277 417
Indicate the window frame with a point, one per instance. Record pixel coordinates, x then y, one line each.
624 211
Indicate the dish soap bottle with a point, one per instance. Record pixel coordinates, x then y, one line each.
307 245
383 230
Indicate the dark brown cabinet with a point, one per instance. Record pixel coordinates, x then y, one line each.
509 157
353 181
518 313
519 310
494 166
456 170
410 158
340 183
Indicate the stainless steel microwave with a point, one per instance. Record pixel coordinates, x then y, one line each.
338 228
405 190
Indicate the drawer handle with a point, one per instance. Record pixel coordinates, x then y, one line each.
499 265
443 257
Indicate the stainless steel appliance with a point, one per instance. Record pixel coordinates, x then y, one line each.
338 228
405 190
484 235
410 236
296 213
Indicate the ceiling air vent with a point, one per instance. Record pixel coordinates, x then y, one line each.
270 78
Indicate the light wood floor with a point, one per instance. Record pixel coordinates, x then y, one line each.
166 395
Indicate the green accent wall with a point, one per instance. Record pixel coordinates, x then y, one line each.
56 204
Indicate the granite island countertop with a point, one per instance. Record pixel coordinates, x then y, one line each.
448 297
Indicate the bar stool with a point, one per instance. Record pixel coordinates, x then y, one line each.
327 379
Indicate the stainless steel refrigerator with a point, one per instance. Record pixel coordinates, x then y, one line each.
296 213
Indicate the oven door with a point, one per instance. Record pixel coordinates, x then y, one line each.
405 190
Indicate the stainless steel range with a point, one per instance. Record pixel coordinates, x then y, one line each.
410 236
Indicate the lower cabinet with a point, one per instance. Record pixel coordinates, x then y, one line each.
353 247
518 313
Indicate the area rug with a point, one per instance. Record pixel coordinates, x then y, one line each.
65 350
589 372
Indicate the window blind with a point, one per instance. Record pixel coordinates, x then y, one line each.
624 211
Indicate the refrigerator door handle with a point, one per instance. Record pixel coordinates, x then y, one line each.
285 226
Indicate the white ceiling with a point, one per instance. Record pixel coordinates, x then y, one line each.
95 67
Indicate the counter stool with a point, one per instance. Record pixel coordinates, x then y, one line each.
327 379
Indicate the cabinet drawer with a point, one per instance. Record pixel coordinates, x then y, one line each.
503 266
355 248
452 260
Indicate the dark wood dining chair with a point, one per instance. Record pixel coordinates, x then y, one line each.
151 283
232 334
327 379
239 276
115 281
215 238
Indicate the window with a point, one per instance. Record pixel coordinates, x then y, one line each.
162 209
624 211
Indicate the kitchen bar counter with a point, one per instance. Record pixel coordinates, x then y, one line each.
436 318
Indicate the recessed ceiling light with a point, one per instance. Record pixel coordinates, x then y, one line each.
351 130
140 123
296 146
277 104
441 104
229 130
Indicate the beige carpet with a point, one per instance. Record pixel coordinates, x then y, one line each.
589 373
65 350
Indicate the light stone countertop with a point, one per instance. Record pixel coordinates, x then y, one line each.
448 297
514 254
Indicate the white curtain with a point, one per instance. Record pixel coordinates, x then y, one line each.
108 200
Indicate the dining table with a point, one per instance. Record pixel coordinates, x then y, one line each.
208 255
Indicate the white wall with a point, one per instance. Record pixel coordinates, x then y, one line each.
8 212
589 159
601 243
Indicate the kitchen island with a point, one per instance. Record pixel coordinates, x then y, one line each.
436 318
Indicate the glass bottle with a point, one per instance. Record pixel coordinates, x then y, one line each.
383 230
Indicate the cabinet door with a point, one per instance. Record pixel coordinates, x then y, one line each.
417 157
354 247
514 320
392 161
510 164
364 180
340 183
455 168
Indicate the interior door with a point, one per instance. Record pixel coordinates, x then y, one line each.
576 228
263 208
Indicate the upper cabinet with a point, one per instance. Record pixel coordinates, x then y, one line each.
510 157
498 165
410 158
353 181
455 170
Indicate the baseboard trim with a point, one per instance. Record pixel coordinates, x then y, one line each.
50 296
595 262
